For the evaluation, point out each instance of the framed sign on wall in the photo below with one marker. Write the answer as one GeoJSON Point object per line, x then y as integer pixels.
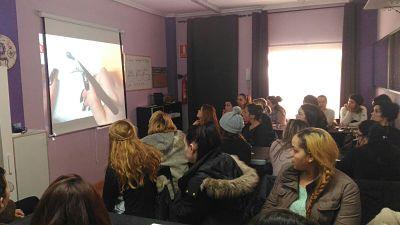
{"type": "Point", "coordinates": [138, 73]}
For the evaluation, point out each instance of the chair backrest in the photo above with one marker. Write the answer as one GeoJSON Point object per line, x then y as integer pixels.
{"type": "Point", "coordinates": [376, 195]}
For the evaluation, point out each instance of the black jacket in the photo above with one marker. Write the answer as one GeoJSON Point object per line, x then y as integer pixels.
{"type": "Point", "coordinates": [138, 202]}
{"type": "Point", "coordinates": [215, 191]}
{"type": "Point", "coordinates": [237, 146]}
{"type": "Point", "coordinates": [372, 162]}
{"type": "Point", "coordinates": [261, 136]}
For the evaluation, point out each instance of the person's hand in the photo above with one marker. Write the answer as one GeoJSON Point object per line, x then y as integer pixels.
{"type": "Point", "coordinates": [54, 84]}
{"type": "Point", "coordinates": [19, 213]}
{"type": "Point", "coordinates": [196, 123]}
{"type": "Point", "coordinates": [346, 106]}
{"type": "Point", "coordinates": [112, 85]}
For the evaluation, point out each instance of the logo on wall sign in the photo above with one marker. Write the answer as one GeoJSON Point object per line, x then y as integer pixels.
{"type": "Point", "coordinates": [8, 52]}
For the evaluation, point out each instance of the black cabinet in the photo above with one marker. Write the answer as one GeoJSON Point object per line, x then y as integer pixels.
{"type": "Point", "coordinates": [143, 115]}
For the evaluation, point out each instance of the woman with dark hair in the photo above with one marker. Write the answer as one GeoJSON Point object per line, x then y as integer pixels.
{"type": "Point", "coordinates": [264, 104]}
{"type": "Point", "coordinates": [312, 187]}
{"type": "Point", "coordinates": [207, 118]}
{"type": "Point", "coordinates": [378, 159]}
{"type": "Point", "coordinates": [233, 141]}
{"type": "Point", "coordinates": [70, 200]}
{"type": "Point", "coordinates": [385, 113]}
{"type": "Point", "coordinates": [280, 217]}
{"type": "Point", "coordinates": [381, 99]}
{"type": "Point", "coordinates": [310, 99]}
{"type": "Point", "coordinates": [258, 132]}
{"type": "Point", "coordinates": [228, 107]}
{"type": "Point", "coordinates": [129, 184]}
{"type": "Point", "coordinates": [278, 113]}
{"type": "Point", "coordinates": [217, 186]}
{"type": "Point", "coordinates": [281, 151]}
{"type": "Point", "coordinates": [242, 100]}
{"type": "Point", "coordinates": [353, 112]}
{"type": "Point", "coordinates": [312, 115]}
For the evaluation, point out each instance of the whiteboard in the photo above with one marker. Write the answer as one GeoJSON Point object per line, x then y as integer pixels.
{"type": "Point", "coordinates": [138, 72]}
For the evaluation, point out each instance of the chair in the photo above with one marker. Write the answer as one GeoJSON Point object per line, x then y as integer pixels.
{"type": "Point", "coordinates": [260, 160]}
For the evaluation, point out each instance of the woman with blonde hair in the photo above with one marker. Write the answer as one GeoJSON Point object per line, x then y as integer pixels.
{"type": "Point", "coordinates": [129, 185]}
{"type": "Point", "coordinates": [312, 187]}
{"type": "Point", "coordinates": [164, 136]}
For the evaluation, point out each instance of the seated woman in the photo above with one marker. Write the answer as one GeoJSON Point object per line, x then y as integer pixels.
{"type": "Point", "coordinates": [278, 113]}
{"type": "Point", "coordinates": [312, 115]}
{"type": "Point", "coordinates": [312, 187]}
{"type": "Point", "coordinates": [329, 113]}
{"type": "Point", "coordinates": [264, 104]}
{"type": "Point", "coordinates": [228, 107]}
{"type": "Point", "coordinates": [10, 210]}
{"type": "Point", "coordinates": [216, 187]}
{"type": "Point", "coordinates": [242, 100]}
{"type": "Point", "coordinates": [233, 142]}
{"type": "Point", "coordinates": [70, 200]}
{"type": "Point", "coordinates": [353, 113]}
{"type": "Point", "coordinates": [383, 98]}
{"type": "Point", "coordinates": [310, 99]}
{"type": "Point", "coordinates": [385, 113]}
{"type": "Point", "coordinates": [378, 159]}
{"type": "Point", "coordinates": [258, 132]}
{"type": "Point", "coordinates": [164, 136]}
{"type": "Point", "coordinates": [281, 151]}
{"type": "Point", "coordinates": [207, 117]}
{"type": "Point", "coordinates": [129, 185]}
{"type": "Point", "coordinates": [280, 217]}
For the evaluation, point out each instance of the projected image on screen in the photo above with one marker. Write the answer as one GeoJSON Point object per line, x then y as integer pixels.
{"type": "Point", "coordinates": [85, 79]}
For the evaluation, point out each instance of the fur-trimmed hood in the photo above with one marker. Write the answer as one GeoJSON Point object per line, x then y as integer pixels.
{"type": "Point", "coordinates": [223, 188]}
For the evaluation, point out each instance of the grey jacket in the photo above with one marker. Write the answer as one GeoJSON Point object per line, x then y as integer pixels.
{"type": "Point", "coordinates": [338, 204]}
{"type": "Point", "coordinates": [172, 146]}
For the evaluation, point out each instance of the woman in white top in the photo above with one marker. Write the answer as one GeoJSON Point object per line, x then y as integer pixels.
{"type": "Point", "coordinates": [329, 113]}
{"type": "Point", "coordinates": [353, 113]}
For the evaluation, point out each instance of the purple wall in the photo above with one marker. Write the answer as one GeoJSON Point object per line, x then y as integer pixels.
{"type": "Point", "coordinates": [8, 27]}
{"type": "Point", "coordinates": [83, 152]}
{"type": "Point", "coordinates": [366, 34]}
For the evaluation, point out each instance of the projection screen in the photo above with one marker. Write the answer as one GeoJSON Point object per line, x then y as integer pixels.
{"type": "Point", "coordinates": [85, 75]}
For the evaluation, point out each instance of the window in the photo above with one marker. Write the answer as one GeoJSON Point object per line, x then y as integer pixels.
{"type": "Point", "coordinates": [298, 70]}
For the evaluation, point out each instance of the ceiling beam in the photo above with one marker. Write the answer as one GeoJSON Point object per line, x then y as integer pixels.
{"type": "Point", "coordinates": [208, 5]}
{"type": "Point", "coordinates": [141, 7]}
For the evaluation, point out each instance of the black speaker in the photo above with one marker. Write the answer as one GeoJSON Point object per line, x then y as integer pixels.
{"type": "Point", "coordinates": [158, 98]}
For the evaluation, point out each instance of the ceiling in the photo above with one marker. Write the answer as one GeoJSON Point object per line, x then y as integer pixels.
{"type": "Point", "coordinates": [187, 8]}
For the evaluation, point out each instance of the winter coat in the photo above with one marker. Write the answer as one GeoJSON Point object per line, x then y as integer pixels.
{"type": "Point", "coordinates": [215, 191]}
{"type": "Point", "coordinates": [172, 146]}
{"type": "Point", "coordinates": [372, 162]}
{"type": "Point", "coordinates": [339, 203]}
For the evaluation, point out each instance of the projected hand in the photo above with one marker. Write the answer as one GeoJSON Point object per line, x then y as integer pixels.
{"type": "Point", "coordinates": [112, 84]}
{"type": "Point", "coordinates": [54, 84]}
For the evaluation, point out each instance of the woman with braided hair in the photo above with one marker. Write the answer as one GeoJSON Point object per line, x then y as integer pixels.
{"type": "Point", "coordinates": [129, 184]}
{"type": "Point", "coordinates": [312, 187]}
